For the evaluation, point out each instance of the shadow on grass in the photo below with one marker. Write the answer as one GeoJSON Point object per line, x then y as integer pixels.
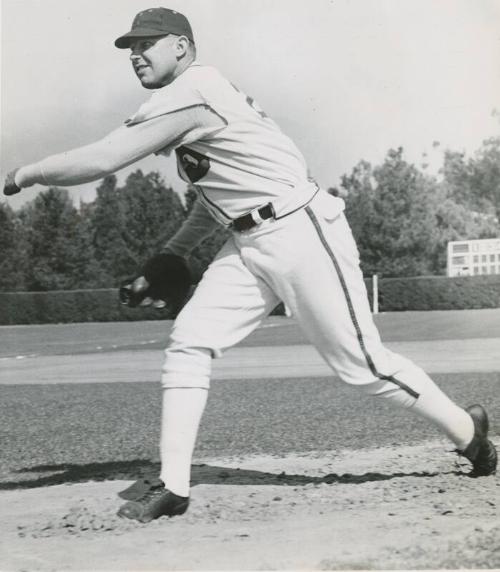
{"type": "Point", "coordinates": [201, 474]}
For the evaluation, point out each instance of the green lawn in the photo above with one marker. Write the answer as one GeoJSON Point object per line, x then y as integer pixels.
{"type": "Point", "coordinates": [87, 337]}
{"type": "Point", "coordinates": [68, 433]}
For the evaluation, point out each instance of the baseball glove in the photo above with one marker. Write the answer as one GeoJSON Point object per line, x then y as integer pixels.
{"type": "Point", "coordinates": [165, 281]}
{"type": "Point", "coordinates": [10, 187]}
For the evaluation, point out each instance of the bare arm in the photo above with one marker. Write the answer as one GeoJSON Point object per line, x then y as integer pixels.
{"type": "Point", "coordinates": [120, 148]}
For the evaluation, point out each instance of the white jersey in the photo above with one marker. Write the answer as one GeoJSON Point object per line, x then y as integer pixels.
{"type": "Point", "coordinates": [245, 163]}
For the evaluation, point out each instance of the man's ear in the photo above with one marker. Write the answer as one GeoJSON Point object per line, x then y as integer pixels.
{"type": "Point", "coordinates": [182, 46]}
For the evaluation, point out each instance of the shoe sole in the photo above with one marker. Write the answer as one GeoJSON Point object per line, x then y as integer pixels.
{"type": "Point", "coordinates": [176, 510]}
{"type": "Point", "coordinates": [481, 428]}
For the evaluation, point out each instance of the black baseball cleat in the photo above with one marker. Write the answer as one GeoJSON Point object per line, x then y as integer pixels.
{"type": "Point", "coordinates": [139, 487]}
{"type": "Point", "coordinates": [480, 452]}
{"type": "Point", "coordinates": [154, 501]}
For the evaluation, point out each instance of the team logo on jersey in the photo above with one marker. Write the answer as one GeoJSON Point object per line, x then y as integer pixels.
{"type": "Point", "coordinates": [194, 164]}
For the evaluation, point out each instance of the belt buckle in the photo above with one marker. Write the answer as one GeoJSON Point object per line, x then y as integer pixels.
{"type": "Point", "coordinates": [258, 218]}
{"type": "Point", "coordinates": [255, 217]}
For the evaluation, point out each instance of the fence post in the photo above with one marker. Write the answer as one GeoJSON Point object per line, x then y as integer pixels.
{"type": "Point", "coordinates": [375, 293]}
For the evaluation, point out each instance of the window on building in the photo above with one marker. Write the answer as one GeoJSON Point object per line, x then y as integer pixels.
{"type": "Point", "coordinates": [460, 248]}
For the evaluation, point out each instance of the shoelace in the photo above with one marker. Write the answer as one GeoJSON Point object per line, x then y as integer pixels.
{"type": "Point", "coordinates": [151, 493]}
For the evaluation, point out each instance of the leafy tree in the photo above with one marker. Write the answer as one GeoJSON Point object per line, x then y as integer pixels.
{"type": "Point", "coordinates": [89, 272]}
{"type": "Point", "coordinates": [485, 174]}
{"type": "Point", "coordinates": [475, 182]}
{"type": "Point", "coordinates": [406, 223]}
{"type": "Point", "coordinates": [456, 177]}
{"type": "Point", "coordinates": [152, 214]}
{"type": "Point", "coordinates": [359, 187]}
{"type": "Point", "coordinates": [12, 250]}
{"type": "Point", "coordinates": [59, 248]}
{"type": "Point", "coordinates": [108, 227]}
{"type": "Point", "coordinates": [389, 209]}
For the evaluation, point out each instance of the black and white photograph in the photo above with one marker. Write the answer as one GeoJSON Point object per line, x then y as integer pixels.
{"type": "Point", "coordinates": [249, 285]}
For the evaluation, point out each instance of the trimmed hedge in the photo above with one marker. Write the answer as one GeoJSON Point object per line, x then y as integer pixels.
{"type": "Point", "coordinates": [438, 293]}
{"type": "Point", "coordinates": [395, 294]}
{"type": "Point", "coordinates": [69, 306]}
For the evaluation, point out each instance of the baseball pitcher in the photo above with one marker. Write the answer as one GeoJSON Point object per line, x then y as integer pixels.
{"type": "Point", "coordinates": [290, 241]}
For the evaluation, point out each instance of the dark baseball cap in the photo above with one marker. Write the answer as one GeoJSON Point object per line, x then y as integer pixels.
{"type": "Point", "coordinates": [156, 22]}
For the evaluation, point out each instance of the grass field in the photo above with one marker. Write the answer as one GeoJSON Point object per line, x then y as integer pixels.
{"type": "Point", "coordinates": [89, 337]}
{"type": "Point", "coordinates": [69, 433]}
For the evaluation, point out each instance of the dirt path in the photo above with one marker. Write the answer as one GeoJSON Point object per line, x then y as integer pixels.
{"type": "Point", "coordinates": [441, 356]}
{"type": "Point", "coordinates": [386, 508]}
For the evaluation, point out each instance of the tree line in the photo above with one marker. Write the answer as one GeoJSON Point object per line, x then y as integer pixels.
{"type": "Point", "coordinates": [401, 216]}
{"type": "Point", "coordinates": [49, 244]}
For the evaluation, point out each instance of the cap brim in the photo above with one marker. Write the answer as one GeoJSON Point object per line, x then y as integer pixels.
{"type": "Point", "coordinates": [124, 41]}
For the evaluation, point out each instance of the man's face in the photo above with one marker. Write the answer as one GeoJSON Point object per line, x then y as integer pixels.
{"type": "Point", "coordinates": [155, 60]}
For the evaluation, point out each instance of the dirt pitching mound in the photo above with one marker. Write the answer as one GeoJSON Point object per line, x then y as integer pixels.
{"type": "Point", "coordinates": [392, 507]}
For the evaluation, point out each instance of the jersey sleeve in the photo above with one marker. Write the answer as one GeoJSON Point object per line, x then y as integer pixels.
{"type": "Point", "coordinates": [199, 225]}
{"type": "Point", "coordinates": [120, 148]}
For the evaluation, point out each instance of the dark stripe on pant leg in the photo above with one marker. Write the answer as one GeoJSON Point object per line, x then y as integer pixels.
{"type": "Point", "coordinates": [352, 313]}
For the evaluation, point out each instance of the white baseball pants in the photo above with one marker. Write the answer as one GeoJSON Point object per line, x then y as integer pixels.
{"type": "Point", "coordinates": [310, 261]}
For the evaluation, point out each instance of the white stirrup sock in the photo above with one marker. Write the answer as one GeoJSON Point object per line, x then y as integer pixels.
{"type": "Point", "coordinates": [454, 421]}
{"type": "Point", "coordinates": [181, 415]}
{"type": "Point", "coordinates": [432, 403]}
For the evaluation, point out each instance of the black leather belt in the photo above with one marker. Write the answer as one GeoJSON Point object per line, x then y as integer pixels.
{"type": "Point", "coordinates": [248, 221]}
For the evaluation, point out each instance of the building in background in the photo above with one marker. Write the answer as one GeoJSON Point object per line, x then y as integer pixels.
{"type": "Point", "coordinates": [473, 257]}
